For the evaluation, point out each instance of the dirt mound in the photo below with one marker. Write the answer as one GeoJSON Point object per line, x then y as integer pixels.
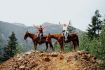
{"type": "Point", "coordinates": [51, 61]}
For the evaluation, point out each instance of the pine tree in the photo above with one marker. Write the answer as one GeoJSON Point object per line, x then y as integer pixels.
{"type": "Point", "coordinates": [94, 29]}
{"type": "Point", "coordinates": [103, 22]}
{"type": "Point", "coordinates": [0, 41]}
{"type": "Point", "coordinates": [10, 50]}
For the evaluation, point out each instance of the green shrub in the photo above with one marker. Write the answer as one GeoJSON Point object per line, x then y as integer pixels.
{"type": "Point", "coordinates": [96, 46]}
{"type": "Point", "coordinates": [20, 48]}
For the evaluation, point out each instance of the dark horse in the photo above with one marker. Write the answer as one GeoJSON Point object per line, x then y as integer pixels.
{"type": "Point", "coordinates": [72, 37]}
{"type": "Point", "coordinates": [46, 39]}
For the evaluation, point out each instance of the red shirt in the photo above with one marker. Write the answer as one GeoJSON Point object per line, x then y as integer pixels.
{"type": "Point", "coordinates": [40, 29]}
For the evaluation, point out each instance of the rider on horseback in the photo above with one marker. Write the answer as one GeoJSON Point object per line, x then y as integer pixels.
{"type": "Point", "coordinates": [65, 30]}
{"type": "Point", "coordinates": [40, 31]}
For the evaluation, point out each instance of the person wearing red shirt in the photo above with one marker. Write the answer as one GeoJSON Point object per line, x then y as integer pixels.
{"type": "Point", "coordinates": [40, 31]}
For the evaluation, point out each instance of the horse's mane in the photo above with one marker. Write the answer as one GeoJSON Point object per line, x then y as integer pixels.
{"type": "Point", "coordinates": [32, 34]}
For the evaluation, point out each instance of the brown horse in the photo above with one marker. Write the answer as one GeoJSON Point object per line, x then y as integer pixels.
{"type": "Point", "coordinates": [74, 38]}
{"type": "Point", "coordinates": [71, 37]}
{"type": "Point", "coordinates": [36, 40]}
{"type": "Point", "coordinates": [59, 38]}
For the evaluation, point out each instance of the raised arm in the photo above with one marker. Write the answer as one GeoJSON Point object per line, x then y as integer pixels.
{"type": "Point", "coordinates": [60, 23]}
{"type": "Point", "coordinates": [36, 26]}
{"type": "Point", "coordinates": [43, 27]}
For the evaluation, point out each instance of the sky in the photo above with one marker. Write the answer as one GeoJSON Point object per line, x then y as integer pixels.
{"type": "Point", "coordinates": [30, 12]}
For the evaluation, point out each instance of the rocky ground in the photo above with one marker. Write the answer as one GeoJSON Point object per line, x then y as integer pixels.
{"type": "Point", "coordinates": [51, 61]}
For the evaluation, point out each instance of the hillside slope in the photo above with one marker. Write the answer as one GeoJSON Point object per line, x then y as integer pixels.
{"type": "Point", "coordinates": [51, 61]}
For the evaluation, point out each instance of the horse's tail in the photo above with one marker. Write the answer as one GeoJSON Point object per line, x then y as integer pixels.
{"type": "Point", "coordinates": [77, 41]}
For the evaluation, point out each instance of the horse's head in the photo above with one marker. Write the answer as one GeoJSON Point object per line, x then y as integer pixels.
{"type": "Point", "coordinates": [31, 35]}
{"type": "Point", "coordinates": [26, 35]}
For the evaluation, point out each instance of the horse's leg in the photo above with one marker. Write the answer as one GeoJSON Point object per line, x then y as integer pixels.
{"type": "Point", "coordinates": [35, 45]}
{"type": "Point", "coordinates": [77, 44]}
{"type": "Point", "coordinates": [77, 40]}
{"type": "Point", "coordinates": [61, 45]}
{"type": "Point", "coordinates": [74, 45]}
{"type": "Point", "coordinates": [46, 46]}
{"type": "Point", "coordinates": [51, 46]}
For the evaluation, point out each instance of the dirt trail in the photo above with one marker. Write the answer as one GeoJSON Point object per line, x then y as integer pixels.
{"type": "Point", "coordinates": [51, 61]}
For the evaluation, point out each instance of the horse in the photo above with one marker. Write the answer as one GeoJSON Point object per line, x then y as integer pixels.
{"type": "Point", "coordinates": [36, 40]}
{"type": "Point", "coordinates": [59, 38]}
{"type": "Point", "coordinates": [72, 37]}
